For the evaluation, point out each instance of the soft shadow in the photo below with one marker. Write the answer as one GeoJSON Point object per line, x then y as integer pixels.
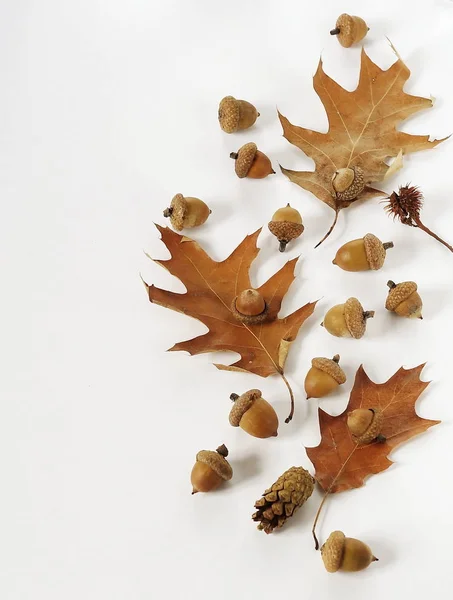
{"type": "Point", "coordinates": [246, 468]}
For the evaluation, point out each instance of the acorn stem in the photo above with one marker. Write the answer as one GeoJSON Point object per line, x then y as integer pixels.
{"type": "Point", "coordinates": [335, 31]}
{"type": "Point", "coordinates": [388, 245]}
{"type": "Point", "coordinates": [431, 233]}
{"type": "Point", "coordinates": [283, 244]}
{"type": "Point", "coordinates": [291, 396]}
{"type": "Point", "coordinates": [368, 314]}
{"type": "Point", "coordinates": [168, 212]}
{"type": "Point", "coordinates": [234, 155]}
{"type": "Point", "coordinates": [234, 397]}
{"type": "Point", "coordinates": [391, 284]}
{"type": "Point", "coordinates": [336, 358]}
{"type": "Point", "coordinates": [330, 230]}
{"type": "Point", "coordinates": [381, 438]}
{"type": "Point", "coordinates": [222, 450]}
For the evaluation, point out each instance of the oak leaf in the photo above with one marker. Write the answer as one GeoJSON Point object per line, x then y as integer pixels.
{"type": "Point", "coordinates": [342, 464]}
{"type": "Point", "coordinates": [362, 131]}
{"type": "Point", "coordinates": [211, 290]}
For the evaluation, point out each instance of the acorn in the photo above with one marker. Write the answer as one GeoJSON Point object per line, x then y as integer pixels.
{"type": "Point", "coordinates": [187, 212]}
{"type": "Point", "coordinates": [251, 162]}
{"type": "Point", "coordinates": [349, 30]}
{"type": "Point", "coordinates": [286, 225]}
{"type": "Point", "coordinates": [404, 300]}
{"type": "Point", "coordinates": [365, 425]}
{"type": "Point", "coordinates": [347, 320]}
{"type": "Point", "coordinates": [210, 470]}
{"type": "Point", "coordinates": [250, 307]}
{"type": "Point", "coordinates": [324, 376]}
{"type": "Point", "coordinates": [365, 254]}
{"type": "Point", "coordinates": [254, 414]}
{"type": "Point", "coordinates": [348, 183]}
{"type": "Point", "coordinates": [236, 115]}
{"type": "Point", "coordinates": [341, 553]}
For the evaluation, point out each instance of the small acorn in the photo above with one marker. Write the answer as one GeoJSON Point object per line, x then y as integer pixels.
{"type": "Point", "coordinates": [254, 414]}
{"type": "Point", "coordinates": [365, 254]}
{"type": "Point", "coordinates": [187, 212]}
{"type": "Point", "coordinates": [348, 183]}
{"type": "Point", "coordinates": [210, 470]}
{"type": "Point", "coordinates": [365, 425]}
{"type": "Point", "coordinates": [250, 307]}
{"type": "Point", "coordinates": [236, 115]}
{"type": "Point", "coordinates": [349, 30]}
{"type": "Point", "coordinates": [251, 162]}
{"type": "Point", "coordinates": [286, 225]}
{"type": "Point", "coordinates": [347, 320]}
{"type": "Point", "coordinates": [341, 553]}
{"type": "Point", "coordinates": [404, 300]}
{"type": "Point", "coordinates": [324, 376]}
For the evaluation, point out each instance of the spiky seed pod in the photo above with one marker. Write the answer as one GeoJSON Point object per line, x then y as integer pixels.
{"type": "Point", "coordinates": [365, 425]}
{"type": "Point", "coordinates": [236, 115]}
{"type": "Point", "coordinates": [187, 212]}
{"type": "Point", "coordinates": [281, 501]}
{"type": "Point", "coordinates": [251, 162]}
{"type": "Point", "coordinates": [348, 183]}
{"type": "Point", "coordinates": [250, 307]}
{"type": "Point", "coordinates": [341, 553]}
{"type": "Point", "coordinates": [286, 225]}
{"type": "Point", "coordinates": [347, 320]}
{"type": "Point", "coordinates": [349, 30]}
{"type": "Point", "coordinates": [364, 254]}
{"type": "Point", "coordinates": [254, 414]}
{"type": "Point", "coordinates": [324, 376]}
{"type": "Point", "coordinates": [404, 300]}
{"type": "Point", "coordinates": [210, 470]}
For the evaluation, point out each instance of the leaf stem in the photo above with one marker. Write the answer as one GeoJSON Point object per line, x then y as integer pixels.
{"type": "Point", "coordinates": [291, 395]}
{"type": "Point", "coordinates": [423, 227]}
{"type": "Point", "coordinates": [330, 230]}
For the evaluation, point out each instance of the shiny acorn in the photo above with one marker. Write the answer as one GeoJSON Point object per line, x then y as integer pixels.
{"type": "Point", "coordinates": [251, 162]}
{"type": "Point", "coordinates": [347, 320]}
{"type": "Point", "coordinates": [341, 553]}
{"type": "Point", "coordinates": [210, 470]}
{"type": "Point", "coordinates": [365, 254]}
{"type": "Point", "coordinates": [365, 425]}
{"type": "Point", "coordinates": [324, 376]}
{"type": "Point", "coordinates": [252, 413]}
{"type": "Point", "coordinates": [286, 225]}
{"type": "Point", "coordinates": [186, 212]}
{"type": "Point", "coordinates": [404, 300]}
{"type": "Point", "coordinates": [236, 115]}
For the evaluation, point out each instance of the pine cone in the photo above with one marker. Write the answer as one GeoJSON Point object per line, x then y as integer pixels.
{"type": "Point", "coordinates": [282, 500]}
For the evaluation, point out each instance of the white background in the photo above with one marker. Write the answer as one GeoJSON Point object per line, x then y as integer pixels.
{"type": "Point", "coordinates": [107, 109]}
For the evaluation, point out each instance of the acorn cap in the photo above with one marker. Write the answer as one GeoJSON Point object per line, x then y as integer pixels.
{"type": "Point", "coordinates": [354, 316]}
{"type": "Point", "coordinates": [400, 292]}
{"type": "Point", "coordinates": [217, 461]}
{"type": "Point", "coordinates": [285, 230]}
{"type": "Point", "coordinates": [373, 430]}
{"type": "Point", "coordinates": [374, 250]}
{"type": "Point", "coordinates": [331, 367]}
{"type": "Point", "coordinates": [229, 114]}
{"type": "Point", "coordinates": [355, 188]}
{"type": "Point", "coordinates": [244, 159]}
{"type": "Point", "coordinates": [241, 406]}
{"type": "Point", "coordinates": [332, 551]}
{"type": "Point", "coordinates": [178, 208]}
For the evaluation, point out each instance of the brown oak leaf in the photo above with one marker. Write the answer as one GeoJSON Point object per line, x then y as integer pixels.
{"type": "Point", "coordinates": [211, 290]}
{"type": "Point", "coordinates": [340, 463]}
{"type": "Point", "coordinates": [362, 131]}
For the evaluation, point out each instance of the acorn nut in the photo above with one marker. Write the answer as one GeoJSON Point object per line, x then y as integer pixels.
{"type": "Point", "coordinates": [254, 414]}
{"type": "Point", "coordinates": [251, 162]}
{"type": "Point", "coordinates": [210, 470]}
{"type": "Point", "coordinates": [348, 183]}
{"type": "Point", "coordinates": [365, 254]}
{"type": "Point", "coordinates": [236, 115]}
{"type": "Point", "coordinates": [365, 425]}
{"type": "Point", "coordinates": [347, 320]}
{"type": "Point", "coordinates": [349, 30]}
{"type": "Point", "coordinates": [250, 307]}
{"type": "Point", "coordinates": [404, 300]}
{"type": "Point", "coordinates": [186, 212]}
{"type": "Point", "coordinates": [341, 553]}
{"type": "Point", "coordinates": [286, 225]}
{"type": "Point", "coordinates": [324, 376]}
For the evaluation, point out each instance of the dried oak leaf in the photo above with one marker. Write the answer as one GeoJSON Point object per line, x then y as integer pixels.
{"type": "Point", "coordinates": [211, 290]}
{"type": "Point", "coordinates": [362, 131]}
{"type": "Point", "coordinates": [339, 462]}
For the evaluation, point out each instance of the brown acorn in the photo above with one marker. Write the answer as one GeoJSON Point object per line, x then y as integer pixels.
{"type": "Point", "coordinates": [365, 254]}
{"type": "Point", "coordinates": [286, 225]}
{"type": "Point", "coordinates": [404, 300]}
{"type": "Point", "coordinates": [349, 30]}
{"type": "Point", "coordinates": [186, 212]}
{"type": "Point", "coordinates": [324, 376]}
{"type": "Point", "coordinates": [347, 320]}
{"type": "Point", "coordinates": [365, 425]}
{"type": "Point", "coordinates": [348, 183]}
{"type": "Point", "coordinates": [236, 115]}
{"type": "Point", "coordinates": [250, 307]}
{"type": "Point", "coordinates": [210, 470]}
{"type": "Point", "coordinates": [254, 414]}
{"type": "Point", "coordinates": [251, 162]}
{"type": "Point", "coordinates": [341, 553]}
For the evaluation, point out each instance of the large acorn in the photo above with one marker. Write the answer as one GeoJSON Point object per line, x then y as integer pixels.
{"type": "Point", "coordinates": [210, 470]}
{"type": "Point", "coordinates": [365, 425]}
{"type": "Point", "coordinates": [186, 212]}
{"type": "Point", "coordinates": [236, 115]}
{"type": "Point", "coordinates": [365, 254]}
{"type": "Point", "coordinates": [250, 307]}
{"type": "Point", "coordinates": [349, 30]}
{"type": "Point", "coordinates": [347, 320]}
{"type": "Point", "coordinates": [251, 162]}
{"type": "Point", "coordinates": [404, 300]}
{"type": "Point", "coordinates": [341, 553]}
{"type": "Point", "coordinates": [252, 413]}
{"type": "Point", "coordinates": [348, 183]}
{"type": "Point", "coordinates": [324, 376]}
{"type": "Point", "coordinates": [286, 225]}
